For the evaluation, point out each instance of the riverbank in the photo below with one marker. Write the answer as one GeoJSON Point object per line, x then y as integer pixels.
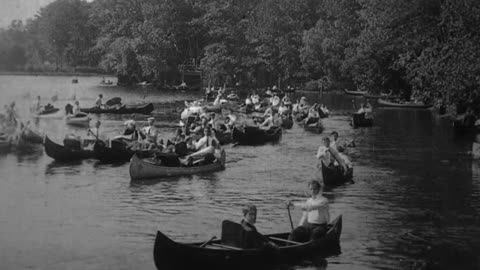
{"type": "Point", "coordinates": [66, 74]}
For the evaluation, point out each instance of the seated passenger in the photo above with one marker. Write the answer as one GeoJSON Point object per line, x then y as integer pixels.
{"type": "Point", "coordinates": [315, 217]}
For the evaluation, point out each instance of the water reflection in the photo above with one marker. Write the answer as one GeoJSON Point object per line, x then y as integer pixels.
{"type": "Point", "coordinates": [63, 168]}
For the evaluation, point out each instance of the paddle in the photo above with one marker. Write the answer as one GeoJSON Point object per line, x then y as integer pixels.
{"type": "Point", "coordinates": [290, 216]}
{"type": "Point", "coordinates": [208, 241]}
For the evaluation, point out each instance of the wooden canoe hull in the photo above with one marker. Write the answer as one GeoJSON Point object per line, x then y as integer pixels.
{"type": "Point", "coordinates": [355, 93]}
{"type": "Point", "coordinates": [359, 120]}
{"type": "Point", "coordinates": [62, 153]}
{"type": "Point", "coordinates": [117, 153]}
{"type": "Point", "coordinates": [140, 169]}
{"type": "Point", "coordinates": [315, 128]}
{"type": "Point", "coordinates": [255, 136]}
{"type": "Point", "coordinates": [335, 176]}
{"type": "Point", "coordinates": [169, 254]}
{"type": "Point", "coordinates": [386, 103]}
{"type": "Point", "coordinates": [128, 109]}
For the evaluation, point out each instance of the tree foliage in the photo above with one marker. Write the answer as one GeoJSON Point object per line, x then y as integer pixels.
{"type": "Point", "coordinates": [429, 47]}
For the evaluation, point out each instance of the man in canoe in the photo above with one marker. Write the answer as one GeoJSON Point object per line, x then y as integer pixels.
{"type": "Point", "coordinates": [99, 102]}
{"type": "Point", "coordinates": [150, 133]}
{"type": "Point", "coordinates": [254, 238]}
{"type": "Point", "coordinates": [204, 147]}
{"type": "Point", "coordinates": [315, 218]}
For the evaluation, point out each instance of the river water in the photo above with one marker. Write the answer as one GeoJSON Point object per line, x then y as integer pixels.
{"type": "Point", "coordinates": [415, 188]}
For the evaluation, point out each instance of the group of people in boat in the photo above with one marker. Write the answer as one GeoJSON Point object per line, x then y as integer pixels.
{"type": "Point", "coordinates": [313, 224]}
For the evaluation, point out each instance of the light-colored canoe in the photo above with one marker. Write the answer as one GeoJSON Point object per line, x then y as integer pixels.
{"type": "Point", "coordinates": [411, 105]}
{"type": "Point", "coordinates": [140, 169]}
{"type": "Point", "coordinates": [355, 93]}
{"type": "Point", "coordinates": [80, 119]}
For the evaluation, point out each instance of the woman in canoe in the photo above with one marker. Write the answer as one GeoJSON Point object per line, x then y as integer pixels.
{"type": "Point", "coordinates": [316, 216]}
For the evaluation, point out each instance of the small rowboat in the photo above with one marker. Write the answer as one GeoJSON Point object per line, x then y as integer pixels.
{"type": "Point", "coordinates": [419, 105]}
{"type": "Point", "coordinates": [355, 93]}
{"type": "Point", "coordinates": [217, 254]}
{"type": "Point", "coordinates": [256, 136]}
{"type": "Point", "coordinates": [140, 169]}
{"type": "Point", "coordinates": [64, 153]}
{"type": "Point", "coordinates": [125, 109]}
{"type": "Point", "coordinates": [334, 176]}
{"type": "Point", "coordinates": [80, 119]}
{"type": "Point", "coordinates": [359, 120]}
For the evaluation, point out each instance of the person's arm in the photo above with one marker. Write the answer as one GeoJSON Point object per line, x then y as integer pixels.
{"type": "Point", "coordinates": [200, 143]}
{"type": "Point", "coordinates": [321, 152]}
{"type": "Point", "coordinates": [310, 205]}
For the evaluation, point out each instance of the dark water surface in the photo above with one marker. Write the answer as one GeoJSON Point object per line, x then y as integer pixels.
{"type": "Point", "coordinates": [414, 182]}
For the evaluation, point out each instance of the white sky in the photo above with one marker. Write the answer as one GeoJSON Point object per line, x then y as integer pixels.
{"type": "Point", "coordinates": [20, 9]}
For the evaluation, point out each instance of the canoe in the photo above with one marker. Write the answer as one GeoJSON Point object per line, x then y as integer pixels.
{"type": "Point", "coordinates": [224, 137]}
{"type": "Point", "coordinates": [355, 93]}
{"type": "Point", "coordinates": [64, 153]}
{"type": "Point", "coordinates": [125, 109]}
{"type": "Point", "coordinates": [46, 112]}
{"type": "Point", "coordinates": [80, 119]}
{"type": "Point", "coordinates": [359, 120]}
{"type": "Point", "coordinates": [464, 129]}
{"type": "Point", "coordinates": [217, 254]}
{"type": "Point", "coordinates": [256, 136]}
{"type": "Point", "coordinates": [334, 176]}
{"type": "Point", "coordinates": [410, 105]}
{"type": "Point", "coordinates": [117, 153]}
{"type": "Point", "coordinates": [140, 169]}
{"type": "Point", "coordinates": [287, 122]}
{"type": "Point", "coordinates": [315, 127]}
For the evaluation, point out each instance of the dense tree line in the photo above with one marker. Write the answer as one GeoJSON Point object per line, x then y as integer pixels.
{"type": "Point", "coordinates": [431, 47]}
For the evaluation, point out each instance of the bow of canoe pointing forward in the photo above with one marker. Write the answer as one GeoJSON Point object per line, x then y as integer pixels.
{"type": "Point", "coordinates": [169, 254]}
{"type": "Point", "coordinates": [334, 175]}
{"type": "Point", "coordinates": [140, 169]}
{"type": "Point", "coordinates": [65, 153]}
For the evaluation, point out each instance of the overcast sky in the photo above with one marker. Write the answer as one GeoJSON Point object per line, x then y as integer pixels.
{"type": "Point", "coordinates": [20, 9]}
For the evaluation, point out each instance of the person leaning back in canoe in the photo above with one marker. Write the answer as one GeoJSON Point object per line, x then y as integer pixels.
{"type": "Point", "coordinates": [248, 223]}
{"type": "Point", "coordinates": [315, 218]}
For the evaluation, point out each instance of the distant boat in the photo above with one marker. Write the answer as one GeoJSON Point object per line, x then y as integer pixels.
{"type": "Point", "coordinates": [411, 105]}
{"type": "Point", "coordinates": [144, 83]}
{"type": "Point", "coordinates": [106, 83]}
{"type": "Point", "coordinates": [74, 80]}
{"type": "Point", "coordinates": [355, 93]}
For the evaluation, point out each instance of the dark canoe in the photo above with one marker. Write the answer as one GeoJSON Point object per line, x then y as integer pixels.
{"type": "Point", "coordinates": [46, 112]}
{"type": "Point", "coordinates": [224, 137]}
{"type": "Point", "coordinates": [256, 136]}
{"type": "Point", "coordinates": [140, 169]}
{"type": "Point", "coordinates": [169, 254]}
{"type": "Point", "coordinates": [359, 120]}
{"type": "Point", "coordinates": [63, 153]}
{"type": "Point", "coordinates": [117, 153]}
{"type": "Point", "coordinates": [334, 176]}
{"type": "Point", "coordinates": [125, 109]}
{"type": "Point", "coordinates": [386, 103]}
{"type": "Point", "coordinates": [315, 128]}
{"type": "Point", "coordinates": [355, 93]}
{"type": "Point", "coordinates": [465, 129]}
{"type": "Point", "coordinates": [287, 122]}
